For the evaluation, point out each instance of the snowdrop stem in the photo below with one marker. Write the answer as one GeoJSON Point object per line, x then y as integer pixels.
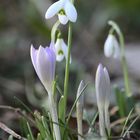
{"type": "Point", "coordinates": [124, 65]}
{"type": "Point", "coordinates": [54, 117]}
{"type": "Point", "coordinates": [67, 68]}
{"type": "Point", "coordinates": [123, 58]}
{"type": "Point", "coordinates": [53, 32]}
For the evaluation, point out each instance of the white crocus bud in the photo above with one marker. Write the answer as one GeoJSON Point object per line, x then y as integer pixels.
{"type": "Point", "coordinates": [65, 10]}
{"type": "Point", "coordinates": [79, 109]}
{"type": "Point", "coordinates": [103, 91]}
{"type": "Point", "coordinates": [111, 47]}
{"type": "Point", "coordinates": [61, 50]}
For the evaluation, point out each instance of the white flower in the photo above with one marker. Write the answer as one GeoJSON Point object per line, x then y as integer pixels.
{"type": "Point", "coordinates": [103, 91]}
{"type": "Point", "coordinates": [61, 50]}
{"type": "Point", "coordinates": [65, 10]}
{"type": "Point", "coordinates": [111, 47]}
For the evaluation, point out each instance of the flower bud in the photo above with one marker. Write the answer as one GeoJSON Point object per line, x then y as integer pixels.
{"type": "Point", "coordinates": [111, 47]}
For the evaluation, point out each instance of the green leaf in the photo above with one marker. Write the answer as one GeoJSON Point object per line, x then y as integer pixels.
{"type": "Point", "coordinates": [30, 132]}
{"type": "Point", "coordinates": [10, 137]}
{"type": "Point", "coordinates": [121, 101]}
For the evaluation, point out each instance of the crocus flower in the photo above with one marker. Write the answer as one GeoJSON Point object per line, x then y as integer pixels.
{"type": "Point", "coordinates": [65, 10]}
{"type": "Point", "coordinates": [61, 50]}
{"type": "Point", "coordinates": [111, 47]}
{"type": "Point", "coordinates": [103, 91]}
{"type": "Point", "coordinates": [44, 60]}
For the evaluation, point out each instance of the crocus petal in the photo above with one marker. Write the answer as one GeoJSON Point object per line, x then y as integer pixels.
{"type": "Point", "coordinates": [53, 9]}
{"type": "Point", "coordinates": [70, 11]}
{"type": "Point", "coordinates": [100, 84]}
{"type": "Point", "coordinates": [33, 54]}
{"type": "Point", "coordinates": [63, 19]}
{"type": "Point", "coordinates": [108, 90]}
{"type": "Point", "coordinates": [52, 58]}
{"type": "Point", "coordinates": [45, 67]}
{"type": "Point", "coordinates": [108, 47]}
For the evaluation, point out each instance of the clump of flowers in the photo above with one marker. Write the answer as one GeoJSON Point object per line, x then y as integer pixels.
{"type": "Point", "coordinates": [54, 125]}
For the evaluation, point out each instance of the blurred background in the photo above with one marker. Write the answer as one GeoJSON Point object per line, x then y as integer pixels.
{"type": "Point", "coordinates": [22, 23]}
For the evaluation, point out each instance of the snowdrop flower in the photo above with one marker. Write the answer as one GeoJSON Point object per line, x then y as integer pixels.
{"type": "Point", "coordinates": [103, 91]}
{"type": "Point", "coordinates": [44, 60]}
{"type": "Point", "coordinates": [61, 50]}
{"type": "Point", "coordinates": [111, 47]}
{"type": "Point", "coordinates": [65, 10]}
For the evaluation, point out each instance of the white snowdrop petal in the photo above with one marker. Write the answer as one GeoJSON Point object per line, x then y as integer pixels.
{"type": "Point", "coordinates": [63, 19]}
{"type": "Point", "coordinates": [108, 46]}
{"type": "Point", "coordinates": [70, 11]}
{"type": "Point", "coordinates": [53, 9]}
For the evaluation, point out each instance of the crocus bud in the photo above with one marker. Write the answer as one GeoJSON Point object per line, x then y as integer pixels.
{"type": "Point", "coordinates": [103, 91]}
{"type": "Point", "coordinates": [111, 47]}
{"type": "Point", "coordinates": [65, 10]}
{"type": "Point", "coordinates": [61, 50]}
{"type": "Point", "coordinates": [79, 109]}
{"type": "Point", "coordinates": [44, 60]}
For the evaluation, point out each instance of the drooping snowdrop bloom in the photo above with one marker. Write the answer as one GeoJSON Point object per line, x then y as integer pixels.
{"type": "Point", "coordinates": [103, 91]}
{"type": "Point", "coordinates": [61, 50]}
{"type": "Point", "coordinates": [65, 10]}
{"type": "Point", "coordinates": [111, 47]}
{"type": "Point", "coordinates": [44, 60]}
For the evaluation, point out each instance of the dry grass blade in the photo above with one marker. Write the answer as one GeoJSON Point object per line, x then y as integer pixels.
{"type": "Point", "coordinates": [10, 131]}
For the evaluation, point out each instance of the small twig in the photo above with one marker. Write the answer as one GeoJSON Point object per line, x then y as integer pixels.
{"type": "Point", "coordinates": [119, 121]}
{"type": "Point", "coordinates": [17, 110]}
{"type": "Point", "coordinates": [11, 132]}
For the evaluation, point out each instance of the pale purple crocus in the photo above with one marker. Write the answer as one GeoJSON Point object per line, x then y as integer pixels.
{"type": "Point", "coordinates": [65, 10]}
{"type": "Point", "coordinates": [44, 61]}
{"type": "Point", "coordinates": [103, 91]}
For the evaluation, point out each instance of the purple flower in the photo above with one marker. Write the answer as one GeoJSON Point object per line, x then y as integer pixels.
{"type": "Point", "coordinates": [44, 61]}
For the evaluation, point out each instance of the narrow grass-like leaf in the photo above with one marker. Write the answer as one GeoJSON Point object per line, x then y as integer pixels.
{"type": "Point", "coordinates": [30, 132]}
{"type": "Point", "coordinates": [126, 122]}
{"type": "Point", "coordinates": [60, 104]}
{"type": "Point", "coordinates": [72, 108]}
{"type": "Point", "coordinates": [29, 137]}
{"type": "Point", "coordinates": [131, 125]}
{"type": "Point", "coordinates": [93, 121]}
{"type": "Point", "coordinates": [39, 136]}
{"type": "Point", "coordinates": [74, 104]}
{"type": "Point", "coordinates": [25, 106]}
